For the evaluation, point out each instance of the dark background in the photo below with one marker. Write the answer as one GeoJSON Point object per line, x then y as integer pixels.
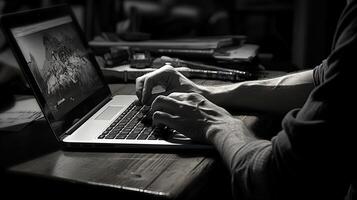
{"type": "Point", "coordinates": [292, 34]}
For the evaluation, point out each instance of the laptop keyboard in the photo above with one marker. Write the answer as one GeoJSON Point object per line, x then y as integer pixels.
{"type": "Point", "coordinates": [133, 124]}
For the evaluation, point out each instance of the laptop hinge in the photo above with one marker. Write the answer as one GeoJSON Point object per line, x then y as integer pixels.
{"type": "Point", "coordinates": [85, 118]}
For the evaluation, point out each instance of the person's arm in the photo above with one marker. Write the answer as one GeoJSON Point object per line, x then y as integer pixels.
{"type": "Point", "coordinates": [245, 156]}
{"type": "Point", "coordinates": [276, 95]}
{"type": "Point", "coordinates": [247, 159]}
{"type": "Point", "coordinates": [314, 156]}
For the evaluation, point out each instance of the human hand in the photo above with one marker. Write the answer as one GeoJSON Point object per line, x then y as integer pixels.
{"type": "Point", "coordinates": [167, 77]}
{"type": "Point", "coordinates": [192, 115]}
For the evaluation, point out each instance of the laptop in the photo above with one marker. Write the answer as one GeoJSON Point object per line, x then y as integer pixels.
{"type": "Point", "coordinates": [70, 89]}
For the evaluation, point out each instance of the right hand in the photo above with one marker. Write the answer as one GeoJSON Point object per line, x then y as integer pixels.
{"type": "Point", "coordinates": [196, 118]}
{"type": "Point", "coordinates": [166, 77]}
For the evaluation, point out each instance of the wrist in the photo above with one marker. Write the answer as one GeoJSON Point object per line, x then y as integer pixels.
{"type": "Point", "coordinates": [214, 94]}
{"type": "Point", "coordinates": [211, 134]}
{"type": "Point", "coordinates": [216, 130]}
{"type": "Point", "coordinates": [232, 127]}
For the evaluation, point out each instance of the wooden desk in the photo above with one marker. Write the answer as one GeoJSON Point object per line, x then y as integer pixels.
{"type": "Point", "coordinates": [32, 160]}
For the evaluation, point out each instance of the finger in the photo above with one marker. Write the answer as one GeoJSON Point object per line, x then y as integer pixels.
{"type": "Point", "coordinates": [151, 80]}
{"type": "Point", "coordinates": [167, 104]}
{"type": "Point", "coordinates": [146, 83]}
{"type": "Point", "coordinates": [154, 96]}
{"type": "Point", "coordinates": [192, 100]}
{"type": "Point", "coordinates": [180, 96]}
{"type": "Point", "coordinates": [147, 89]}
{"type": "Point", "coordinates": [184, 96]}
{"type": "Point", "coordinates": [177, 123]}
{"type": "Point", "coordinates": [163, 118]}
{"type": "Point", "coordinates": [139, 84]}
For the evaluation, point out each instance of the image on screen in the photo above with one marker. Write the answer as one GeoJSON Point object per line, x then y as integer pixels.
{"type": "Point", "coordinates": [59, 63]}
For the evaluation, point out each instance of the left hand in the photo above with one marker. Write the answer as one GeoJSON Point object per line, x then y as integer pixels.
{"type": "Point", "coordinates": [167, 77]}
{"type": "Point", "coordinates": [192, 115]}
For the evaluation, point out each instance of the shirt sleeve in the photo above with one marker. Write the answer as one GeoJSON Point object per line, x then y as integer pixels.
{"type": "Point", "coordinates": [314, 154]}
{"type": "Point", "coordinates": [319, 73]}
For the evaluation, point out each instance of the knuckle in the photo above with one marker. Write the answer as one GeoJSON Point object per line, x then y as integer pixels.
{"type": "Point", "coordinates": [159, 99]}
{"type": "Point", "coordinates": [168, 67]}
{"type": "Point", "coordinates": [175, 94]}
{"type": "Point", "coordinates": [155, 115]}
{"type": "Point", "coordinates": [192, 96]}
{"type": "Point", "coordinates": [139, 79]}
{"type": "Point", "coordinates": [149, 79]}
{"type": "Point", "coordinates": [196, 95]}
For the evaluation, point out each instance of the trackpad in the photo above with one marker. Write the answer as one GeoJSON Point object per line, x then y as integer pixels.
{"type": "Point", "coordinates": [109, 113]}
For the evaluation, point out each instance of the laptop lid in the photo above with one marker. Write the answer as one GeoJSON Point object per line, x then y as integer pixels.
{"type": "Point", "coordinates": [58, 65]}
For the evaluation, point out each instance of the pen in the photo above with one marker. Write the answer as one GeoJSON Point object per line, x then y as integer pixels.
{"type": "Point", "coordinates": [213, 74]}
{"type": "Point", "coordinates": [128, 74]}
{"type": "Point", "coordinates": [213, 70]}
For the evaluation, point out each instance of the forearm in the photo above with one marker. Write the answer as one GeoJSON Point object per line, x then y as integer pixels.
{"type": "Point", "coordinates": [276, 95]}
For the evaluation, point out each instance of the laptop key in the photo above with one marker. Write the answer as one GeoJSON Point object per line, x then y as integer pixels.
{"type": "Point", "coordinates": [121, 136]}
{"type": "Point", "coordinates": [117, 128]}
{"type": "Point", "coordinates": [145, 109]}
{"type": "Point", "coordinates": [152, 137]}
{"type": "Point", "coordinates": [132, 136]}
{"type": "Point", "coordinates": [110, 136]}
{"type": "Point", "coordinates": [142, 137]}
{"type": "Point", "coordinates": [101, 136]}
{"type": "Point", "coordinates": [129, 125]}
{"type": "Point", "coordinates": [109, 129]}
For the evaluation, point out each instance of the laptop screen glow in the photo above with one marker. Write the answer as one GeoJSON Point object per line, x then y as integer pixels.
{"type": "Point", "coordinates": [59, 63]}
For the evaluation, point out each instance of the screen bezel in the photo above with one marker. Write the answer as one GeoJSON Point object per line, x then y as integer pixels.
{"type": "Point", "coordinates": [15, 20]}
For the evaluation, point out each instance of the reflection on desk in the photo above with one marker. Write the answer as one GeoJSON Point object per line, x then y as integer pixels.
{"type": "Point", "coordinates": [153, 174]}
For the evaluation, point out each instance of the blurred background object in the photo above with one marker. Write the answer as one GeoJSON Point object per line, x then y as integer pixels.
{"type": "Point", "coordinates": [292, 34]}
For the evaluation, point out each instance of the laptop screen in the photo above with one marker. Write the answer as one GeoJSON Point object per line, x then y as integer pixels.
{"type": "Point", "coordinates": [59, 63]}
{"type": "Point", "coordinates": [59, 66]}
